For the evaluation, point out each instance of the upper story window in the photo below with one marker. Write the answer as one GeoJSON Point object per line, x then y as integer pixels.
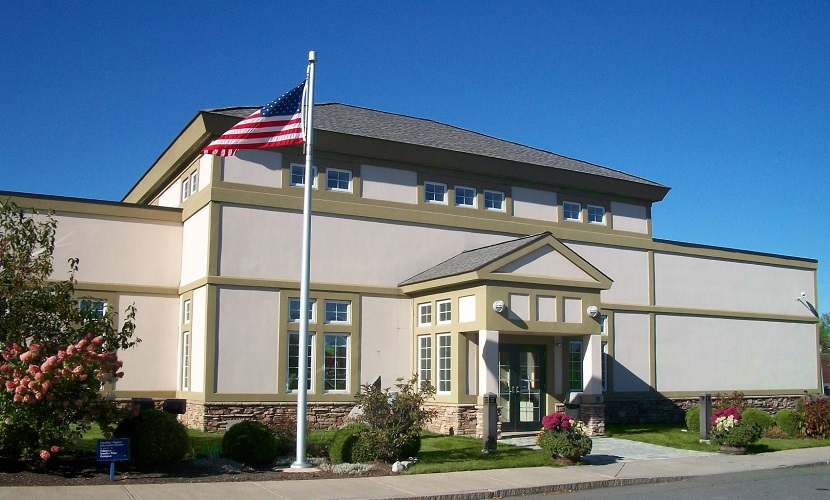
{"type": "Point", "coordinates": [572, 211]}
{"type": "Point", "coordinates": [194, 182]}
{"type": "Point", "coordinates": [494, 200]}
{"type": "Point", "coordinates": [337, 311]}
{"type": "Point", "coordinates": [294, 310]}
{"type": "Point", "coordinates": [338, 180]}
{"type": "Point", "coordinates": [465, 196]}
{"type": "Point", "coordinates": [186, 308]}
{"type": "Point", "coordinates": [575, 365]}
{"type": "Point", "coordinates": [596, 214]}
{"type": "Point", "coordinates": [298, 175]}
{"type": "Point", "coordinates": [603, 325]}
{"type": "Point", "coordinates": [185, 188]}
{"type": "Point", "coordinates": [444, 311]}
{"type": "Point", "coordinates": [97, 307]}
{"type": "Point", "coordinates": [425, 314]}
{"type": "Point", "coordinates": [435, 192]}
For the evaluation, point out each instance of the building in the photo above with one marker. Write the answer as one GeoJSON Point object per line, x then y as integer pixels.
{"type": "Point", "coordinates": [481, 265]}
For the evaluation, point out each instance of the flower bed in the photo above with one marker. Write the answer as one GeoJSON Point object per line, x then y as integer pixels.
{"type": "Point", "coordinates": [562, 436]}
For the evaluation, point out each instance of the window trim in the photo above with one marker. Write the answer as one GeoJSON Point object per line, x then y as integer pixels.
{"type": "Point", "coordinates": [565, 211]}
{"type": "Point", "coordinates": [440, 382]}
{"type": "Point", "coordinates": [503, 200]}
{"type": "Point", "coordinates": [104, 310]}
{"type": "Point", "coordinates": [348, 362]}
{"type": "Point", "coordinates": [448, 312]}
{"type": "Point", "coordinates": [421, 314]}
{"type": "Point", "coordinates": [194, 182]}
{"type": "Point", "coordinates": [302, 168]}
{"type": "Point", "coordinates": [339, 189]}
{"type": "Point", "coordinates": [187, 339]}
{"type": "Point", "coordinates": [187, 309]}
{"type": "Point", "coordinates": [311, 354]}
{"type": "Point", "coordinates": [474, 202]}
{"type": "Point", "coordinates": [604, 354]}
{"type": "Point", "coordinates": [444, 193]}
{"type": "Point", "coordinates": [602, 222]}
{"type": "Point", "coordinates": [348, 305]}
{"type": "Point", "coordinates": [312, 312]}
{"type": "Point", "coordinates": [185, 191]}
{"type": "Point", "coordinates": [421, 359]}
{"type": "Point", "coordinates": [603, 325]}
{"type": "Point", "coordinates": [571, 362]}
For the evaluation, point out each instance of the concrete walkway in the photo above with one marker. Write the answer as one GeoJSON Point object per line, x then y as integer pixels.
{"type": "Point", "coordinates": [618, 467]}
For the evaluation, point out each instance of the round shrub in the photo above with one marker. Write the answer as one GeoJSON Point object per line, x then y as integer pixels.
{"type": "Point", "coordinates": [342, 444]}
{"type": "Point", "coordinates": [250, 443]}
{"type": "Point", "coordinates": [157, 439]}
{"type": "Point", "coordinates": [787, 420]}
{"type": "Point", "coordinates": [693, 419]}
{"type": "Point", "coordinates": [756, 416]}
{"type": "Point", "coordinates": [362, 450]}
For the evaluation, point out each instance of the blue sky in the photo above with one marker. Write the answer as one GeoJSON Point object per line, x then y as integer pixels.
{"type": "Point", "coordinates": [727, 103]}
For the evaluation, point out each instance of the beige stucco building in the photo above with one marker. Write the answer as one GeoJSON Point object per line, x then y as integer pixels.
{"type": "Point", "coordinates": [478, 264]}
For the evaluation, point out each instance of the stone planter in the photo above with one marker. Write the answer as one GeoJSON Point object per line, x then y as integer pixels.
{"type": "Point", "coordinates": [733, 449]}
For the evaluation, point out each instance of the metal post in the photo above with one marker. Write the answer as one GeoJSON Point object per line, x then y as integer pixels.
{"type": "Point", "coordinates": [489, 424]}
{"type": "Point", "coordinates": [705, 404]}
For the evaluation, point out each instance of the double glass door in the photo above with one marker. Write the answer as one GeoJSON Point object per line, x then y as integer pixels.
{"type": "Point", "coordinates": [521, 387]}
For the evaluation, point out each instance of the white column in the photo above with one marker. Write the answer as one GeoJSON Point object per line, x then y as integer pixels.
{"type": "Point", "coordinates": [488, 362]}
{"type": "Point", "coordinates": [592, 366]}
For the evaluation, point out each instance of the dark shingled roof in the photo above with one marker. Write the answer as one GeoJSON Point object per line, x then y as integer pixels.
{"type": "Point", "coordinates": [472, 260]}
{"type": "Point", "coordinates": [353, 120]}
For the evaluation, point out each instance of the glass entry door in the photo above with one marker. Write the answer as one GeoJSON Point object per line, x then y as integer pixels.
{"type": "Point", "coordinates": [521, 387]}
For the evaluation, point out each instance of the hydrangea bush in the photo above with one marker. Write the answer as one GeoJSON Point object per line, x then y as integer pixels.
{"type": "Point", "coordinates": [563, 436]}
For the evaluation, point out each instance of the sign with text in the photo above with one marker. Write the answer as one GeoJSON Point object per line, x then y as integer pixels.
{"type": "Point", "coordinates": [112, 450]}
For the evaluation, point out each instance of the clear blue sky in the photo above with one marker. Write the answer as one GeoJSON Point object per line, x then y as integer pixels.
{"type": "Point", "coordinates": [727, 103]}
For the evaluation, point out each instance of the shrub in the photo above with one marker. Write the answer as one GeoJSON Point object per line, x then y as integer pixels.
{"type": "Point", "coordinates": [563, 436]}
{"type": "Point", "coordinates": [814, 416]}
{"type": "Point", "coordinates": [756, 416]}
{"type": "Point", "coordinates": [343, 443]}
{"type": "Point", "coordinates": [157, 439]}
{"type": "Point", "coordinates": [250, 443]}
{"type": "Point", "coordinates": [787, 421]}
{"type": "Point", "coordinates": [693, 419]}
{"type": "Point", "coordinates": [729, 428]}
{"type": "Point", "coordinates": [723, 401]}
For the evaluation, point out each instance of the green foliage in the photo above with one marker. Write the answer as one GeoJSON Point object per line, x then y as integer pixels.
{"type": "Point", "coordinates": [741, 434]}
{"type": "Point", "coordinates": [54, 356]}
{"type": "Point", "coordinates": [394, 419]}
{"type": "Point", "coordinates": [824, 328]}
{"type": "Point", "coordinates": [251, 443]}
{"type": "Point", "coordinates": [756, 416]}
{"type": "Point", "coordinates": [693, 419]}
{"type": "Point", "coordinates": [564, 443]}
{"type": "Point", "coordinates": [814, 416]}
{"type": "Point", "coordinates": [734, 400]}
{"type": "Point", "coordinates": [157, 439]}
{"type": "Point", "coordinates": [787, 421]}
{"type": "Point", "coordinates": [343, 443]}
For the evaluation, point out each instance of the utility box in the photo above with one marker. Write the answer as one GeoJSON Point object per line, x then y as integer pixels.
{"type": "Point", "coordinates": [489, 424]}
{"type": "Point", "coordinates": [705, 403]}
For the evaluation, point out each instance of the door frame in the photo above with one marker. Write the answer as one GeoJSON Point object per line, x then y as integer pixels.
{"type": "Point", "coordinates": [514, 352]}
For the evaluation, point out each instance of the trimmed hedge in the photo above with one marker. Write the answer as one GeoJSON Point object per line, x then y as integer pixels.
{"type": "Point", "coordinates": [756, 416]}
{"type": "Point", "coordinates": [157, 439]}
{"type": "Point", "coordinates": [250, 443]}
{"type": "Point", "coordinates": [787, 420]}
{"type": "Point", "coordinates": [693, 419]}
{"type": "Point", "coordinates": [342, 447]}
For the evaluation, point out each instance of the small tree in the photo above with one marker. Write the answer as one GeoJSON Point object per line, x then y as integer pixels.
{"type": "Point", "coordinates": [54, 356]}
{"type": "Point", "coordinates": [824, 337]}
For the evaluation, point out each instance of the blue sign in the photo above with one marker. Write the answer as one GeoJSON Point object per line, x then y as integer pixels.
{"type": "Point", "coordinates": [112, 450]}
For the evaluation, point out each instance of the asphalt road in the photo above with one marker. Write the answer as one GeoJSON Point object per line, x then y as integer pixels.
{"type": "Point", "coordinates": [785, 483]}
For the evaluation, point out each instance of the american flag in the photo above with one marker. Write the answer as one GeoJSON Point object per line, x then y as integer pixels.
{"type": "Point", "coordinates": [279, 123]}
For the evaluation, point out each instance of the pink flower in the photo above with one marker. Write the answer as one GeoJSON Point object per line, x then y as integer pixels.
{"type": "Point", "coordinates": [44, 455]}
{"type": "Point", "coordinates": [55, 449]}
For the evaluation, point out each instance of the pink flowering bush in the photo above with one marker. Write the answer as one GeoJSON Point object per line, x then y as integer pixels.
{"type": "Point", "coordinates": [54, 357]}
{"type": "Point", "coordinates": [729, 429]}
{"type": "Point", "coordinates": [563, 436]}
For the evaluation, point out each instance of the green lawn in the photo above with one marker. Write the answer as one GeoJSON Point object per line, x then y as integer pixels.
{"type": "Point", "coordinates": [200, 442]}
{"type": "Point", "coordinates": [675, 436]}
{"type": "Point", "coordinates": [456, 453]}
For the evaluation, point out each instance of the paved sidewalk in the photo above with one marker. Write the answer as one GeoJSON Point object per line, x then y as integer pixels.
{"type": "Point", "coordinates": [473, 484]}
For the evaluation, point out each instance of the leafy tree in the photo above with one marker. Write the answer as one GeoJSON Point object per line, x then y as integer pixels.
{"type": "Point", "coordinates": [824, 338]}
{"type": "Point", "coordinates": [54, 356]}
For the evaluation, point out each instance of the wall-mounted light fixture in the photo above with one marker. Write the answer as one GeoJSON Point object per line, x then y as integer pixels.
{"type": "Point", "coordinates": [592, 311]}
{"type": "Point", "coordinates": [498, 306]}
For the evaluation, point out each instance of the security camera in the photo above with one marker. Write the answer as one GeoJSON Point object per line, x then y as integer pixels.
{"type": "Point", "coordinates": [803, 294]}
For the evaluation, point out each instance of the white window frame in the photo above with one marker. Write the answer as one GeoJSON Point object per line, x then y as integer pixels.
{"type": "Point", "coordinates": [444, 371]}
{"type": "Point", "coordinates": [425, 314]}
{"type": "Point", "coordinates": [348, 362]}
{"type": "Point", "coordinates": [312, 312]}
{"type": "Point", "coordinates": [347, 189]}
{"type": "Point", "coordinates": [337, 311]}
{"type": "Point", "coordinates": [565, 211]}
{"type": "Point", "coordinates": [301, 168]}
{"type": "Point", "coordinates": [443, 200]}
{"type": "Point", "coordinates": [185, 188]}
{"type": "Point", "coordinates": [186, 341]}
{"type": "Point", "coordinates": [603, 325]}
{"type": "Point", "coordinates": [467, 190]}
{"type": "Point", "coordinates": [596, 208]}
{"type": "Point", "coordinates": [187, 309]}
{"type": "Point", "coordinates": [572, 362]}
{"type": "Point", "coordinates": [502, 202]}
{"type": "Point", "coordinates": [310, 371]}
{"type": "Point", "coordinates": [604, 366]}
{"type": "Point", "coordinates": [424, 360]}
{"type": "Point", "coordinates": [443, 316]}
{"type": "Point", "coordinates": [194, 182]}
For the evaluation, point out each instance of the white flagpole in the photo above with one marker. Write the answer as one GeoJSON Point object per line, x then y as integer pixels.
{"type": "Point", "coordinates": [302, 382]}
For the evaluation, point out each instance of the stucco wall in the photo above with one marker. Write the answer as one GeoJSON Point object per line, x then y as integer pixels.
{"type": "Point", "coordinates": [195, 246]}
{"type": "Point", "coordinates": [254, 167]}
{"type": "Point", "coordinates": [152, 364]}
{"type": "Point", "coordinates": [534, 204]}
{"type": "Point", "coordinates": [632, 355]}
{"type": "Point", "coordinates": [627, 217]}
{"type": "Point", "coordinates": [198, 331]}
{"type": "Point", "coordinates": [382, 183]}
{"type": "Point", "coordinates": [385, 341]}
{"type": "Point", "coordinates": [628, 268]}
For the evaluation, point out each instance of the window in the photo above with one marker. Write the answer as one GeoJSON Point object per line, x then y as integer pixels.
{"type": "Point", "coordinates": [294, 309]}
{"type": "Point", "coordinates": [424, 360]}
{"type": "Point", "coordinates": [435, 192]}
{"type": "Point", "coordinates": [603, 325]}
{"type": "Point", "coordinates": [97, 308]}
{"type": "Point", "coordinates": [605, 366]}
{"type": "Point", "coordinates": [186, 361]}
{"type": "Point", "coordinates": [338, 180]}
{"type": "Point", "coordinates": [572, 211]}
{"type": "Point", "coordinates": [186, 312]}
{"type": "Point", "coordinates": [444, 311]}
{"type": "Point", "coordinates": [337, 311]}
{"type": "Point", "coordinates": [425, 314]}
{"type": "Point", "coordinates": [336, 362]}
{"type": "Point", "coordinates": [298, 175]}
{"type": "Point", "coordinates": [185, 188]}
{"type": "Point", "coordinates": [494, 200]}
{"type": "Point", "coordinates": [575, 365]}
{"type": "Point", "coordinates": [293, 375]}
{"type": "Point", "coordinates": [444, 363]}
{"type": "Point", "coordinates": [465, 197]}
{"type": "Point", "coordinates": [596, 215]}
{"type": "Point", "coordinates": [194, 182]}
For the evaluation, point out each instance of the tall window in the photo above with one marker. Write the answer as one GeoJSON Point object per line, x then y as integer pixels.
{"type": "Point", "coordinates": [185, 188]}
{"type": "Point", "coordinates": [293, 375]}
{"type": "Point", "coordinates": [298, 176]}
{"type": "Point", "coordinates": [96, 307]}
{"type": "Point", "coordinates": [194, 182]}
{"type": "Point", "coordinates": [425, 314]}
{"type": "Point", "coordinates": [186, 361]}
{"type": "Point", "coordinates": [186, 312]}
{"type": "Point", "coordinates": [444, 363]}
{"type": "Point", "coordinates": [575, 365]}
{"type": "Point", "coordinates": [465, 196]}
{"type": "Point", "coordinates": [337, 311]}
{"type": "Point", "coordinates": [603, 325]}
{"type": "Point", "coordinates": [435, 192]}
{"type": "Point", "coordinates": [494, 200]}
{"type": "Point", "coordinates": [596, 215]}
{"type": "Point", "coordinates": [294, 309]}
{"type": "Point", "coordinates": [605, 366]}
{"type": "Point", "coordinates": [444, 311]}
{"type": "Point", "coordinates": [336, 362]}
{"type": "Point", "coordinates": [424, 360]}
{"type": "Point", "coordinates": [338, 180]}
{"type": "Point", "coordinates": [572, 211]}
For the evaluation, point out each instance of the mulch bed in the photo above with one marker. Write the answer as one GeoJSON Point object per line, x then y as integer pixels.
{"type": "Point", "coordinates": [75, 469]}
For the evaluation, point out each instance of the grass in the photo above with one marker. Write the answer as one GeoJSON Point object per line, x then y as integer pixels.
{"type": "Point", "coordinates": [441, 453]}
{"type": "Point", "coordinates": [200, 441]}
{"type": "Point", "coordinates": [675, 436]}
